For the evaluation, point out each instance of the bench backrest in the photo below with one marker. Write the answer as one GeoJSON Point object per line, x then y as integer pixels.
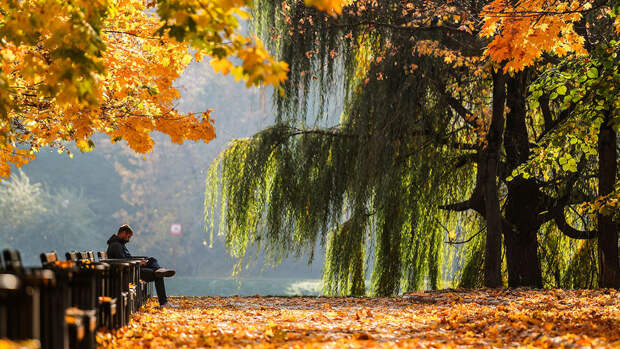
{"type": "Point", "coordinates": [12, 260]}
{"type": "Point", "coordinates": [87, 255]}
{"type": "Point", "coordinates": [72, 256]}
{"type": "Point", "coordinates": [49, 258]}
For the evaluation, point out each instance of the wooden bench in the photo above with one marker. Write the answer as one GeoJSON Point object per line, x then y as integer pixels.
{"type": "Point", "coordinates": [38, 309]}
{"type": "Point", "coordinates": [62, 303]}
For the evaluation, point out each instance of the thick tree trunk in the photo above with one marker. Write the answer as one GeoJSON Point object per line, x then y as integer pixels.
{"type": "Point", "coordinates": [524, 197]}
{"type": "Point", "coordinates": [609, 268]}
{"type": "Point", "coordinates": [520, 234]}
{"type": "Point", "coordinates": [489, 170]}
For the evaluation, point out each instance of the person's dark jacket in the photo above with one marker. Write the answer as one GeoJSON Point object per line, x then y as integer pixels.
{"type": "Point", "coordinates": [117, 249]}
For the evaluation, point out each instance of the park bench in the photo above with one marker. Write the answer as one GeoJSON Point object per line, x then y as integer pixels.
{"type": "Point", "coordinates": [35, 308]}
{"type": "Point", "coordinates": [119, 281]}
{"type": "Point", "coordinates": [143, 289]}
{"type": "Point", "coordinates": [89, 289]}
{"type": "Point", "coordinates": [62, 303]}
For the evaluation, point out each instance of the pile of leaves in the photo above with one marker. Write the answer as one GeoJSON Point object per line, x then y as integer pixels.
{"type": "Point", "coordinates": [481, 318]}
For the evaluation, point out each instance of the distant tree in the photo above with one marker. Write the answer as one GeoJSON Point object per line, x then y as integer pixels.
{"type": "Point", "coordinates": [36, 219]}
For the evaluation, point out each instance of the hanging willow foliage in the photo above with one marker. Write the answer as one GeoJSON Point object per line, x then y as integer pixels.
{"type": "Point", "coordinates": [368, 188]}
{"type": "Point", "coordinates": [364, 151]}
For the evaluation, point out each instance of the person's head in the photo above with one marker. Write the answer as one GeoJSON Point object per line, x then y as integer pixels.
{"type": "Point", "coordinates": [125, 232]}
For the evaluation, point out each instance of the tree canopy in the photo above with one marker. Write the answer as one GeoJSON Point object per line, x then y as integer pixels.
{"type": "Point", "coordinates": [71, 69]}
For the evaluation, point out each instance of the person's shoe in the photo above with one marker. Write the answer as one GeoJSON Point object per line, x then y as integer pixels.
{"type": "Point", "coordinates": [169, 305]}
{"type": "Point", "coordinates": [164, 273]}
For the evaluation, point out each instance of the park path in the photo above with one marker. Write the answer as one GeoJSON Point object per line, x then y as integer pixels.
{"type": "Point", "coordinates": [480, 318]}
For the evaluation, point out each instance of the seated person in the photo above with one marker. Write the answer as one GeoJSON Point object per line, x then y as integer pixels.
{"type": "Point", "coordinates": [150, 269]}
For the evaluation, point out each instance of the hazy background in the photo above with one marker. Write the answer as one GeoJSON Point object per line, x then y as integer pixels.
{"type": "Point", "coordinates": [58, 203]}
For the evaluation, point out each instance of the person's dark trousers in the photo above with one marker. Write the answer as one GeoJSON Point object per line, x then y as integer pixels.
{"type": "Point", "coordinates": [152, 263]}
{"type": "Point", "coordinates": [148, 274]}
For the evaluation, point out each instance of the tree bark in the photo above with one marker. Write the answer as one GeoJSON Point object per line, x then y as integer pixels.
{"type": "Point", "coordinates": [524, 198]}
{"type": "Point", "coordinates": [488, 170]}
{"type": "Point", "coordinates": [609, 268]}
{"type": "Point", "coordinates": [521, 234]}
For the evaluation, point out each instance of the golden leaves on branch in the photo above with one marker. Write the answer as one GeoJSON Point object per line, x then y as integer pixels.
{"type": "Point", "coordinates": [257, 66]}
{"type": "Point", "coordinates": [446, 319]}
{"type": "Point", "coordinates": [11, 154]}
{"type": "Point", "coordinates": [71, 69]}
{"type": "Point", "coordinates": [212, 28]}
{"type": "Point", "coordinates": [521, 33]}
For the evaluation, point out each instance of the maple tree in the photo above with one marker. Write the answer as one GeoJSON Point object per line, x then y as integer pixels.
{"type": "Point", "coordinates": [437, 108]}
{"type": "Point", "coordinates": [482, 318]}
{"type": "Point", "coordinates": [70, 69]}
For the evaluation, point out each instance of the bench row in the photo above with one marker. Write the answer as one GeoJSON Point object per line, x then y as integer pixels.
{"type": "Point", "coordinates": [62, 303]}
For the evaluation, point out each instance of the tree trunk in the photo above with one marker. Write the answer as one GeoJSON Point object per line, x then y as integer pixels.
{"type": "Point", "coordinates": [489, 171]}
{"type": "Point", "coordinates": [521, 234]}
{"type": "Point", "coordinates": [524, 197]}
{"type": "Point", "coordinates": [609, 268]}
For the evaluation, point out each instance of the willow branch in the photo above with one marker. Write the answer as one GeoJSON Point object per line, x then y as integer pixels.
{"type": "Point", "coordinates": [328, 132]}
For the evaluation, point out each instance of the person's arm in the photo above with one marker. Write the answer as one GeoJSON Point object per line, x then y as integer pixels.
{"type": "Point", "coordinates": [126, 253]}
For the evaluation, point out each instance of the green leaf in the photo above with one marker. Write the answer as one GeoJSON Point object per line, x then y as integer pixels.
{"type": "Point", "coordinates": [593, 73]}
{"type": "Point", "coordinates": [567, 99]}
{"type": "Point", "coordinates": [561, 90]}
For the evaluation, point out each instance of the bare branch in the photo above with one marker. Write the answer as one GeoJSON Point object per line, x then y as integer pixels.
{"type": "Point", "coordinates": [465, 159]}
{"type": "Point", "coordinates": [453, 242]}
{"type": "Point", "coordinates": [560, 220]}
{"type": "Point", "coordinates": [131, 34]}
{"type": "Point", "coordinates": [543, 100]}
{"type": "Point", "coordinates": [458, 207]}
{"type": "Point", "coordinates": [406, 28]}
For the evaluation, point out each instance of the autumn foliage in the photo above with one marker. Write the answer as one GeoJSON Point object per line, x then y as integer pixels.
{"type": "Point", "coordinates": [456, 318]}
{"type": "Point", "coordinates": [423, 135]}
{"type": "Point", "coordinates": [333, 7]}
{"type": "Point", "coordinates": [523, 32]}
{"type": "Point", "coordinates": [71, 69]}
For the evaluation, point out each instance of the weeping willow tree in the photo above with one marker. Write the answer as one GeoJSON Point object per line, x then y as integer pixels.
{"type": "Point", "coordinates": [384, 120]}
{"type": "Point", "coordinates": [365, 185]}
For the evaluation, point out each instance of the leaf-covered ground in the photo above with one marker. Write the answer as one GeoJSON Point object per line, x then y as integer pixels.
{"type": "Point", "coordinates": [482, 318]}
